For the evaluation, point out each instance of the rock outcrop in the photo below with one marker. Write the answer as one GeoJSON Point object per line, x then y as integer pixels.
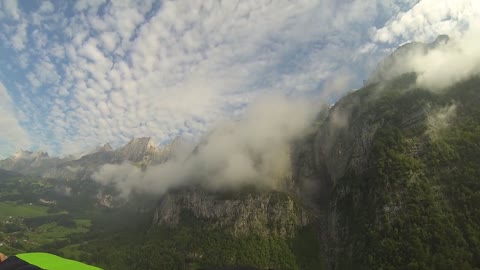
{"type": "Point", "coordinates": [262, 213]}
{"type": "Point", "coordinates": [138, 149]}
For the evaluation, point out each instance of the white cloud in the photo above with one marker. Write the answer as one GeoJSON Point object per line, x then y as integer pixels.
{"type": "Point", "coordinates": [111, 72]}
{"type": "Point", "coordinates": [446, 65]}
{"type": "Point", "coordinates": [440, 119]}
{"type": "Point", "coordinates": [109, 41]}
{"type": "Point", "coordinates": [182, 70]}
{"type": "Point", "coordinates": [46, 7]}
{"type": "Point", "coordinates": [428, 19]}
{"type": "Point", "coordinates": [10, 8]}
{"type": "Point", "coordinates": [12, 135]}
{"type": "Point", "coordinates": [19, 39]}
{"type": "Point", "coordinates": [255, 150]}
{"type": "Point", "coordinates": [92, 5]}
{"type": "Point", "coordinates": [439, 67]}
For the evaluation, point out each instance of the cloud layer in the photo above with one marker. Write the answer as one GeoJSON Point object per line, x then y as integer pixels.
{"type": "Point", "coordinates": [83, 73]}
{"type": "Point", "coordinates": [11, 130]}
{"type": "Point", "coordinates": [448, 64]}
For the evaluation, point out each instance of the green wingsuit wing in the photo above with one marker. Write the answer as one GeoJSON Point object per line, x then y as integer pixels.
{"type": "Point", "coordinates": [53, 262]}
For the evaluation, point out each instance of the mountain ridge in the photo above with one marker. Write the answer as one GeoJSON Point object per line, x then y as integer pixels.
{"type": "Point", "coordinates": [141, 150]}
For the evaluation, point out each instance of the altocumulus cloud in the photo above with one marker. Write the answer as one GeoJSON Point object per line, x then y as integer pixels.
{"type": "Point", "coordinates": [82, 73]}
{"type": "Point", "coordinates": [11, 129]}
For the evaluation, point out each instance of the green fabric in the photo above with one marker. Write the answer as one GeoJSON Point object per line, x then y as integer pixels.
{"type": "Point", "coordinates": [52, 262]}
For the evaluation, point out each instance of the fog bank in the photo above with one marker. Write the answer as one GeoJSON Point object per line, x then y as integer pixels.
{"type": "Point", "coordinates": [251, 150]}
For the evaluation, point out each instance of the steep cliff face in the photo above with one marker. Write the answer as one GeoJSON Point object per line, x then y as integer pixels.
{"type": "Point", "coordinates": [138, 149]}
{"type": "Point", "coordinates": [403, 183]}
{"type": "Point", "coordinates": [335, 172]}
{"type": "Point", "coordinates": [264, 213]}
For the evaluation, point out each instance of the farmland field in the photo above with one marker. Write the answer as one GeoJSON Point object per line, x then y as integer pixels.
{"type": "Point", "coordinates": [18, 209]}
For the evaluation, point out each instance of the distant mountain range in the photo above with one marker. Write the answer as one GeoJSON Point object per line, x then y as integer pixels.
{"type": "Point", "coordinates": [140, 151]}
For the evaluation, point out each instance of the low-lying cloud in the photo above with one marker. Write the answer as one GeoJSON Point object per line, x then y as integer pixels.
{"type": "Point", "coordinates": [457, 60]}
{"type": "Point", "coordinates": [439, 120]}
{"type": "Point", "coordinates": [441, 65]}
{"type": "Point", "coordinates": [251, 150]}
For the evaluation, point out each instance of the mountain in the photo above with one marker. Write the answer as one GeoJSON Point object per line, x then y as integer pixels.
{"type": "Point", "coordinates": [402, 164]}
{"type": "Point", "coordinates": [139, 151]}
{"type": "Point", "coordinates": [105, 148]}
{"type": "Point", "coordinates": [7, 174]}
{"type": "Point", "coordinates": [262, 213]}
{"type": "Point", "coordinates": [31, 162]}
{"type": "Point", "coordinates": [388, 178]}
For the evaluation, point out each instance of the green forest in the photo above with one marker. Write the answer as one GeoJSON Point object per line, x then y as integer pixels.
{"type": "Point", "coordinates": [417, 206]}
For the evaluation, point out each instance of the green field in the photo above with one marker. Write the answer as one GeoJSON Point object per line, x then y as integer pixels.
{"type": "Point", "coordinates": [19, 234]}
{"type": "Point", "coordinates": [52, 232]}
{"type": "Point", "coordinates": [15, 209]}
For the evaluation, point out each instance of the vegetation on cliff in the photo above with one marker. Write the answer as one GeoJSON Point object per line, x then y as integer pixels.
{"type": "Point", "coordinates": [416, 205]}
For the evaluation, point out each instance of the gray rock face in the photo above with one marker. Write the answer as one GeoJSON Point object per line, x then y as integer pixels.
{"type": "Point", "coordinates": [105, 148]}
{"type": "Point", "coordinates": [343, 142]}
{"type": "Point", "coordinates": [263, 213]}
{"type": "Point", "coordinates": [344, 139]}
{"type": "Point", "coordinates": [279, 213]}
{"type": "Point", "coordinates": [138, 149]}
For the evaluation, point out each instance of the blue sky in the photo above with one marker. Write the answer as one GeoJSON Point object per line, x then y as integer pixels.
{"type": "Point", "coordinates": [76, 74]}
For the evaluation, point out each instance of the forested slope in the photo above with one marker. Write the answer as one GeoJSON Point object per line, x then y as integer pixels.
{"type": "Point", "coordinates": [410, 198]}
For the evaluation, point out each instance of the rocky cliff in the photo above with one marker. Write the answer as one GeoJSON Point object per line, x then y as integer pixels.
{"type": "Point", "coordinates": [138, 149]}
{"type": "Point", "coordinates": [402, 183]}
{"type": "Point", "coordinates": [375, 176]}
{"type": "Point", "coordinates": [243, 213]}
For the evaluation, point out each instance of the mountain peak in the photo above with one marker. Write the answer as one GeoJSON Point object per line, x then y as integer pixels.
{"type": "Point", "coordinates": [105, 148]}
{"type": "Point", "coordinates": [137, 148]}
{"type": "Point", "coordinates": [441, 40]}
{"type": "Point", "coordinates": [142, 140]}
{"type": "Point", "coordinates": [145, 143]}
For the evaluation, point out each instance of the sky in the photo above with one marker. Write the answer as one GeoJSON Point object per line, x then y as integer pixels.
{"type": "Point", "coordinates": [76, 74]}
